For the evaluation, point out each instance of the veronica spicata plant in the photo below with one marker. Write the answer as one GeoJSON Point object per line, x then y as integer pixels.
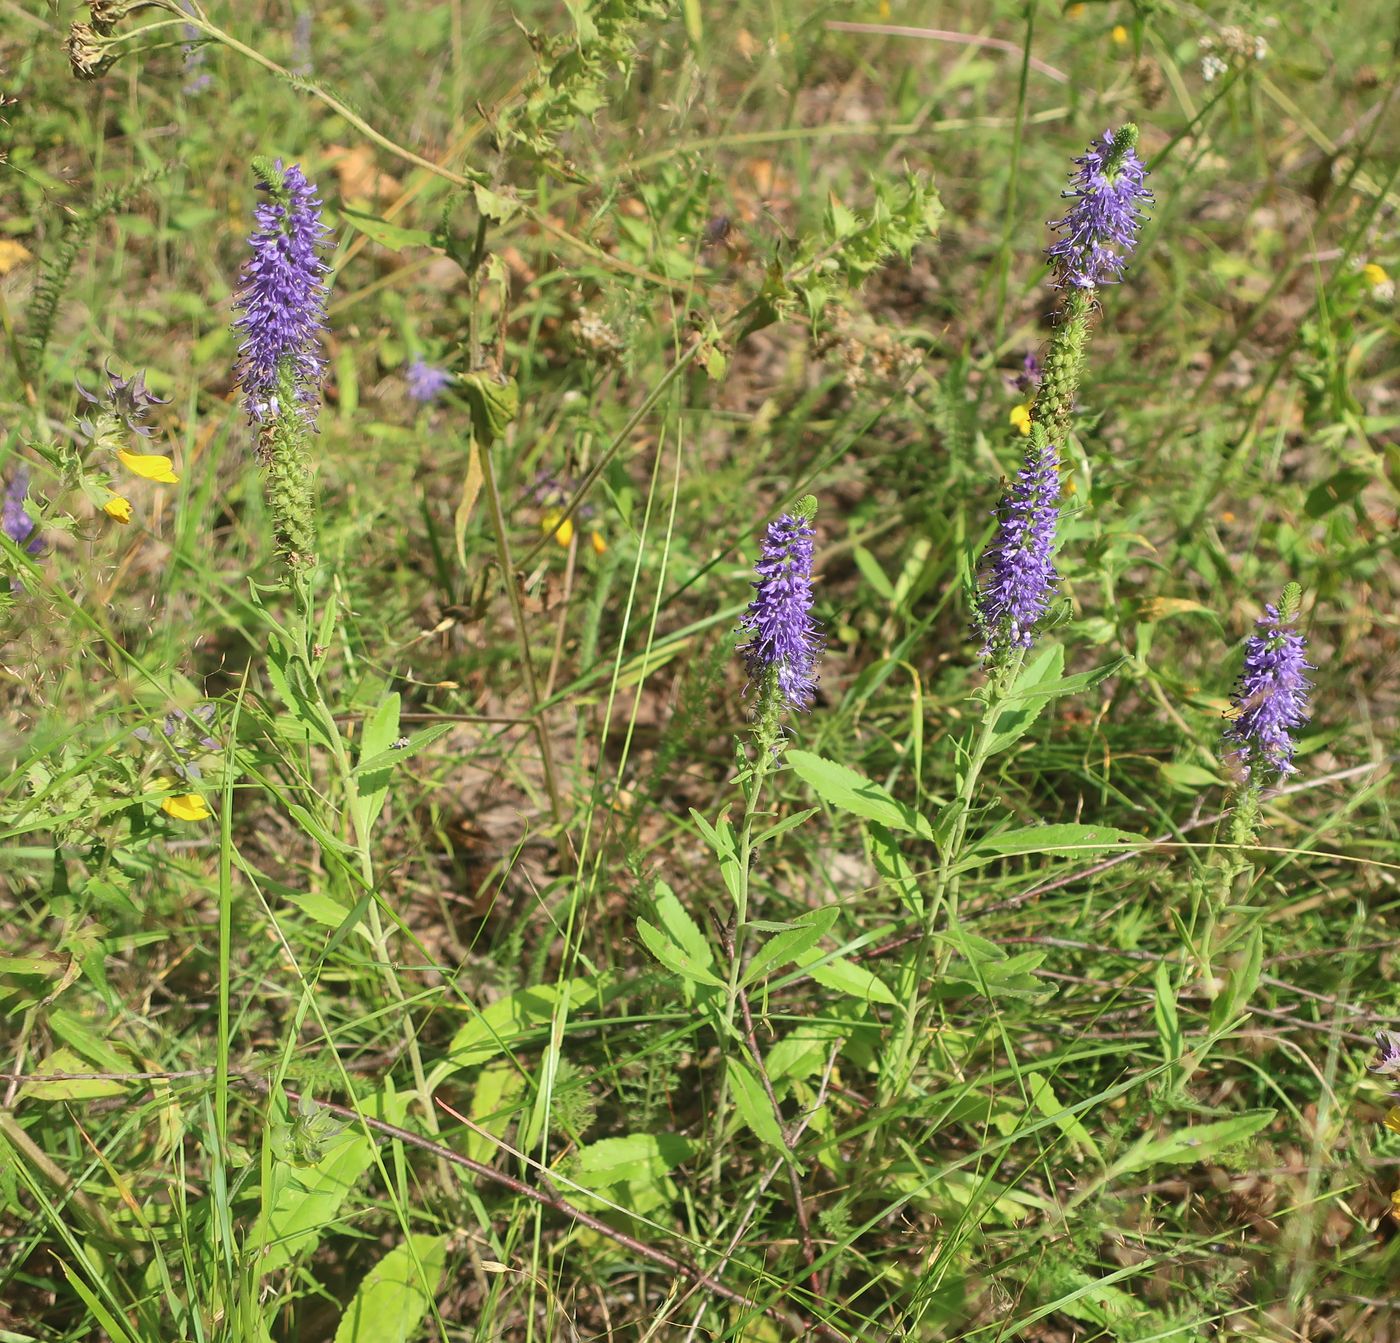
{"type": "Point", "coordinates": [1017, 579]}
{"type": "Point", "coordinates": [280, 362]}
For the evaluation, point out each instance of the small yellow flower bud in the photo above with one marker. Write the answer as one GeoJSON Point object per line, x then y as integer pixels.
{"type": "Point", "coordinates": [118, 508]}
{"type": "Point", "coordinates": [1119, 35]}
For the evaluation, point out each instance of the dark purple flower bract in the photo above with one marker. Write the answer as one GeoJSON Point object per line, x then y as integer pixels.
{"type": "Point", "coordinates": [1018, 572]}
{"type": "Point", "coordinates": [1270, 701]}
{"type": "Point", "coordinates": [283, 299]}
{"type": "Point", "coordinates": [426, 381]}
{"type": "Point", "coordinates": [785, 642]}
{"type": "Point", "coordinates": [1099, 231]}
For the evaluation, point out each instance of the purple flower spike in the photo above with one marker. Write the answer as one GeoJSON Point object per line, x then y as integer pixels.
{"type": "Point", "coordinates": [1099, 231]}
{"type": "Point", "coordinates": [1270, 701]}
{"type": "Point", "coordinates": [18, 525]}
{"type": "Point", "coordinates": [785, 642]}
{"type": "Point", "coordinates": [1018, 569]}
{"type": "Point", "coordinates": [283, 300]}
{"type": "Point", "coordinates": [426, 382]}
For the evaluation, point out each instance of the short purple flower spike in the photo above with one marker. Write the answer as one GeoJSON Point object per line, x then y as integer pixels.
{"type": "Point", "coordinates": [17, 524]}
{"type": "Point", "coordinates": [283, 300]}
{"type": "Point", "coordinates": [1270, 701]}
{"type": "Point", "coordinates": [1018, 569]}
{"type": "Point", "coordinates": [1099, 231]}
{"type": "Point", "coordinates": [426, 382]}
{"type": "Point", "coordinates": [785, 643]}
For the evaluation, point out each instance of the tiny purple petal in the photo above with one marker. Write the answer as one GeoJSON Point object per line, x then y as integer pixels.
{"type": "Point", "coordinates": [283, 299]}
{"type": "Point", "coordinates": [426, 382]}
{"type": "Point", "coordinates": [1270, 701]}
{"type": "Point", "coordinates": [784, 638]}
{"type": "Point", "coordinates": [1099, 231]}
{"type": "Point", "coordinates": [1018, 570]}
{"type": "Point", "coordinates": [1388, 1064]}
{"type": "Point", "coordinates": [18, 525]}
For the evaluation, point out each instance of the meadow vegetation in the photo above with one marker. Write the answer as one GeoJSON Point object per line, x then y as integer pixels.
{"type": "Point", "coordinates": [448, 891]}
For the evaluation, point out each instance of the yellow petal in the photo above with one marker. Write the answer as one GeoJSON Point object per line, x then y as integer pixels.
{"type": "Point", "coordinates": [12, 254]}
{"type": "Point", "coordinates": [186, 807]}
{"type": "Point", "coordinates": [1075, 11]}
{"type": "Point", "coordinates": [1392, 1119]}
{"type": "Point", "coordinates": [1119, 35]}
{"type": "Point", "coordinates": [149, 466]}
{"type": "Point", "coordinates": [599, 544]}
{"type": "Point", "coordinates": [1374, 275]}
{"type": "Point", "coordinates": [118, 508]}
{"type": "Point", "coordinates": [563, 531]}
{"type": "Point", "coordinates": [1021, 418]}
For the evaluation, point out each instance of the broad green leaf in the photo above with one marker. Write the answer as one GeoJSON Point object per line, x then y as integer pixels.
{"type": "Point", "coordinates": [675, 957]}
{"type": "Point", "coordinates": [1044, 1098]}
{"type": "Point", "coordinates": [380, 730]}
{"type": "Point", "coordinates": [1186, 1146]}
{"type": "Point", "coordinates": [308, 1203]}
{"type": "Point", "coordinates": [64, 1060]}
{"type": "Point", "coordinates": [641, 1157]}
{"type": "Point", "coordinates": [1026, 701]}
{"type": "Point", "coordinates": [1070, 838]}
{"type": "Point", "coordinates": [496, 1028]}
{"type": "Point", "coordinates": [789, 944]}
{"type": "Point", "coordinates": [492, 1109]}
{"type": "Point", "coordinates": [494, 403]}
{"type": "Point", "coordinates": [383, 761]}
{"type": "Point", "coordinates": [843, 976]}
{"type": "Point", "coordinates": [395, 1296]}
{"type": "Point", "coordinates": [383, 232]}
{"type": "Point", "coordinates": [754, 1107]}
{"type": "Point", "coordinates": [783, 826]}
{"type": "Point", "coordinates": [846, 790]}
{"type": "Point", "coordinates": [323, 908]}
{"type": "Point", "coordinates": [680, 927]}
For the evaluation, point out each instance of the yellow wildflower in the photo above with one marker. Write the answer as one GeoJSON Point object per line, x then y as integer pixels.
{"type": "Point", "coordinates": [118, 509]}
{"type": "Point", "coordinates": [563, 530]}
{"type": "Point", "coordinates": [182, 806]}
{"type": "Point", "coordinates": [1021, 417]}
{"type": "Point", "coordinates": [599, 545]}
{"type": "Point", "coordinates": [1075, 11]}
{"type": "Point", "coordinates": [1392, 1119]}
{"type": "Point", "coordinates": [1375, 275]}
{"type": "Point", "coordinates": [186, 807]}
{"type": "Point", "coordinates": [1119, 35]}
{"type": "Point", "coordinates": [149, 466]}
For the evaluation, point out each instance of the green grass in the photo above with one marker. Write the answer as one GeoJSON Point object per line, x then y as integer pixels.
{"type": "Point", "coordinates": [448, 1047]}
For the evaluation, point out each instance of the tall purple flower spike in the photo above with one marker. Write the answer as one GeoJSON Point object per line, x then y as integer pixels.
{"type": "Point", "coordinates": [1270, 701]}
{"type": "Point", "coordinates": [1018, 578]}
{"type": "Point", "coordinates": [784, 643]}
{"type": "Point", "coordinates": [283, 300]}
{"type": "Point", "coordinates": [1099, 231]}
